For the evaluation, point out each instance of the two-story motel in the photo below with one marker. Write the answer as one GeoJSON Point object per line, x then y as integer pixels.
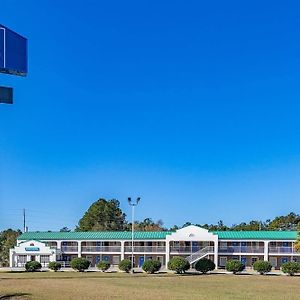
{"type": "Point", "coordinates": [191, 242]}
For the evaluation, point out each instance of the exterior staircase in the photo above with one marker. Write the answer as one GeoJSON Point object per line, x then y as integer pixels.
{"type": "Point", "coordinates": [195, 256]}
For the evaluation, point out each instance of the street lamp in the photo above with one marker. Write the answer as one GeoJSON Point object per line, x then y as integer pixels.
{"type": "Point", "coordinates": [133, 205]}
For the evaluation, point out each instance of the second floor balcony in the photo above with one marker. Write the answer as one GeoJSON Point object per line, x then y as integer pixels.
{"type": "Point", "coordinates": [241, 249]}
{"type": "Point", "coordinates": [101, 248]}
{"type": "Point", "coordinates": [143, 249]}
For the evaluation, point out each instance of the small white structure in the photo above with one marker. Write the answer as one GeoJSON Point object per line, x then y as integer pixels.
{"type": "Point", "coordinates": [31, 251]}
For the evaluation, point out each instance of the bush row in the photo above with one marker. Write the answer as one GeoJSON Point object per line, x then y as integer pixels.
{"type": "Point", "coordinates": [178, 264]}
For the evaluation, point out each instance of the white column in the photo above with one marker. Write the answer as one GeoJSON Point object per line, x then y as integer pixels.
{"type": "Point", "coordinates": [122, 250]}
{"type": "Point", "coordinates": [11, 258]}
{"type": "Point", "coordinates": [58, 245]}
{"type": "Point", "coordinates": [216, 253]}
{"type": "Point", "coordinates": [167, 253]}
{"type": "Point", "coordinates": [266, 250]}
{"type": "Point", "coordinates": [79, 248]}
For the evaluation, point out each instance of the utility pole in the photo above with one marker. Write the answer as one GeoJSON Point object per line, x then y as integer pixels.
{"type": "Point", "coordinates": [133, 205]}
{"type": "Point", "coordinates": [24, 219]}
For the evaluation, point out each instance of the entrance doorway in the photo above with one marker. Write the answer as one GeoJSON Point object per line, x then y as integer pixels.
{"type": "Point", "coordinates": [32, 257]}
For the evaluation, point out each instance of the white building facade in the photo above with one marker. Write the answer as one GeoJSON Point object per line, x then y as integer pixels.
{"type": "Point", "coordinates": [191, 242]}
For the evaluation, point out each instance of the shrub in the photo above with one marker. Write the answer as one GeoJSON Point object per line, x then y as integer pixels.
{"type": "Point", "coordinates": [262, 267]}
{"type": "Point", "coordinates": [125, 265]}
{"type": "Point", "coordinates": [32, 266]}
{"type": "Point", "coordinates": [55, 266]}
{"type": "Point", "coordinates": [234, 266]}
{"type": "Point", "coordinates": [151, 266]}
{"type": "Point", "coordinates": [204, 265]}
{"type": "Point", "coordinates": [178, 264]}
{"type": "Point", "coordinates": [80, 264]}
{"type": "Point", "coordinates": [290, 268]}
{"type": "Point", "coordinates": [103, 265]}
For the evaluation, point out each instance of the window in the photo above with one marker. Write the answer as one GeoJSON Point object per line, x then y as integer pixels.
{"type": "Point", "coordinates": [235, 244]}
{"type": "Point", "coordinates": [22, 259]}
{"type": "Point", "coordinates": [285, 244]}
{"type": "Point", "coordinates": [253, 260]}
{"type": "Point", "coordinates": [45, 259]}
{"type": "Point", "coordinates": [223, 244]}
{"type": "Point", "coordinates": [223, 261]}
{"type": "Point", "coordinates": [284, 260]}
{"type": "Point", "coordinates": [115, 259]}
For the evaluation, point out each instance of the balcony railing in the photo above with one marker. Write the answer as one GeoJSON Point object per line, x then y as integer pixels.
{"type": "Point", "coordinates": [145, 249]}
{"type": "Point", "coordinates": [282, 250]}
{"type": "Point", "coordinates": [101, 248]}
{"type": "Point", "coordinates": [241, 249]}
{"type": "Point", "coordinates": [69, 248]}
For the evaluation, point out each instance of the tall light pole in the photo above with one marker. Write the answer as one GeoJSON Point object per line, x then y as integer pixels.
{"type": "Point", "coordinates": [133, 205]}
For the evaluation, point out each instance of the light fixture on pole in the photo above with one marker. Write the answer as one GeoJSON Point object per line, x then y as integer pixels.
{"type": "Point", "coordinates": [133, 205]}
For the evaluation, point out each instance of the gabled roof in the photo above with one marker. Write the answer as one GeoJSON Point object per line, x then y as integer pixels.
{"type": "Point", "coordinates": [155, 235]}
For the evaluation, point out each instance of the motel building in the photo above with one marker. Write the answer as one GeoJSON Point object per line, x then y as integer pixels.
{"type": "Point", "coordinates": [191, 242]}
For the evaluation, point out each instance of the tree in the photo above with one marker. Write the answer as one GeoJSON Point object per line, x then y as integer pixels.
{"type": "Point", "coordinates": [32, 266]}
{"type": "Point", "coordinates": [288, 222]}
{"type": "Point", "coordinates": [262, 267]}
{"type": "Point", "coordinates": [65, 229]}
{"type": "Point", "coordinates": [151, 266]}
{"type": "Point", "coordinates": [148, 225]}
{"type": "Point", "coordinates": [103, 215]}
{"type": "Point", "coordinates": [290, 268]}
{"type": "Point", "coordinates": [178, 264]}
{"type": "Point", "coordinates": [204, 265]}
{"type": "Point", "coordinates": [125, 265]}
{"type": "Point", "coordinates": [80, 264]}
{"type": "Point", "coordinates": [103, 265]}
{"type": "Point", "coordinates": [8, 239]}
{"type": "Point", "coordinates": [234, 266]}
{"type": "Point", "coordinates": [54, 266]}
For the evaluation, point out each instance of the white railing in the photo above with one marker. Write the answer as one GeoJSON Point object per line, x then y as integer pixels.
{"type": "Point", "coordinates": [64, 264]}
{"type": "Point", "coordinates": [200, 254]}
{"type": "Point", "coordinates": [287, 250]}
{"type": "Point", "coordinates": [145, 249]}
{"type": "Point", "coordinates": [241, 249]}
{"type": "Point", "coordinates": [69, 248]}
{"type": "Point", "coordinates": [101, 248]}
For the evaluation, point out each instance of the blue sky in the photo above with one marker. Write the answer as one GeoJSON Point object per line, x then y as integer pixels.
{"type": "Point", "coordinates": [193, 106]}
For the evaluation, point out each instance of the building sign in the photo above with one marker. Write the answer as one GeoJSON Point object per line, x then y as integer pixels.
{"type": "Point", "coordinates": [32, 249]}
{"type": "Point", "coordinates": [13, 52]}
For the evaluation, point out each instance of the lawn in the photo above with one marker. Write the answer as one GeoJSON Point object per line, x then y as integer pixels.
{"type": "Point", "coordinates": [71, 285]}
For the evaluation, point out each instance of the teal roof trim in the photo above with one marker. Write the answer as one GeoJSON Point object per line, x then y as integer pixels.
{"type": "Point", "coordinates": [257, 235]}
{"type": "Point", "coordinates": [95, 235]}
{"type": "Point", "coordinates": [155, 235]}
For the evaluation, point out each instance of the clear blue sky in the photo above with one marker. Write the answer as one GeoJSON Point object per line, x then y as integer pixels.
{"type": "Point", "coordinates": [193, 106]}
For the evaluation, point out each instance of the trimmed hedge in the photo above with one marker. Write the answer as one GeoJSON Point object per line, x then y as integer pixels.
{"type": "Point", "coordinates": [205, 265]}
{"type": "Point", "coordinates": [151, 266]}
{"type": "Point", "coordinates": [262, 267]}
{"type": "Point", "coordinates": [290, 268]}
{"type": "Point", "coordinates": [234, 266]}
{"type": "Point", "coordinates": [103, 265]}
{"type": "Point", "coordinates": [125, 265]}
{"type": "Point", "coordinates": [178, 264]}
{"type": "Point", "coordinates": [80, 264]}
{"type": "Point", "coordinates": [54, 266]}
{"type": "Point", "coordinates": [32, 266]}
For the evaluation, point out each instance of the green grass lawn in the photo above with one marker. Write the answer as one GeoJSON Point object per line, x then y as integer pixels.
{"type": "Point", "coordinates": [71, 285]}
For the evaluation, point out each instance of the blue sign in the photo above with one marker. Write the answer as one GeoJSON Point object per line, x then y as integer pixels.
{"type": "Point", "coordinates": [32, 249]}
{"type": "Point", "coordinates": [13, 52]}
